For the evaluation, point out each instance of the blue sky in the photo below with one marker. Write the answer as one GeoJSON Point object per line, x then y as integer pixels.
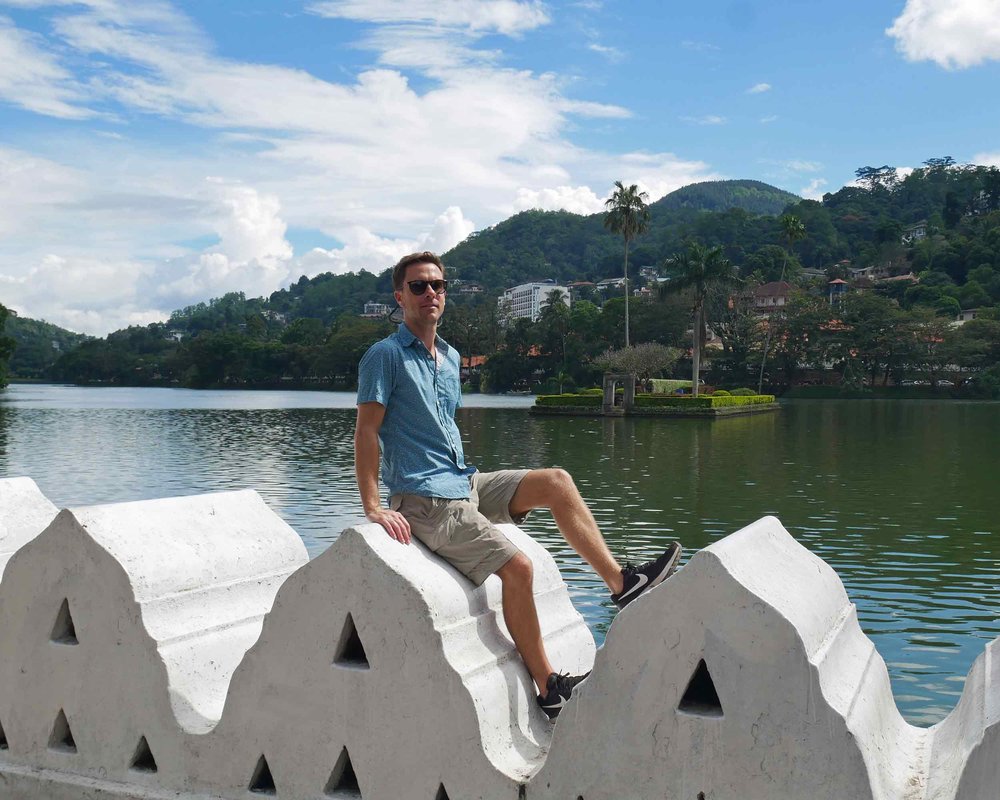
{"type": "Point", "coordinates": [154, 154]}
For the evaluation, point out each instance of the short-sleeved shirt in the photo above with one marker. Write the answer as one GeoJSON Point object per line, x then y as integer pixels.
{"type": "Point", "coordinates": [421, 446]}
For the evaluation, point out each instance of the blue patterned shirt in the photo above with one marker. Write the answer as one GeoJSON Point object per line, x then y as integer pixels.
{"type": "Point", "coordinates": [421, 446]}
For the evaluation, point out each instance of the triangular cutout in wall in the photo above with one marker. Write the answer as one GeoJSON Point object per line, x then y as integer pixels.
{"type": "Point", "coordinates": [3, 738]}
{"type": "Point", "coordinates": [142, 760]}
{"type": "Point", "coordinates": [343, 782]}
{"type": "Point", "coordinates": [700, 698]}
{"type": "Point", "coordinates": [442, 794]}
{"type": "Point", "coordinates": [61, 737]}
{"type": "Point", "coordinates": [64, 631]}
{"type": "Point", "coordinates": [262, 782]}
{"type": "Point", "coordinates": [350, 651]}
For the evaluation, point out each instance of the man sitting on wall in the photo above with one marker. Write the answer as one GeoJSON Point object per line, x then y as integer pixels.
{"type": "Point", "coordinates": [408, 390]}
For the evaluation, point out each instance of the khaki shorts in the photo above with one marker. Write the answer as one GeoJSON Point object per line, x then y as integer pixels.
{"type": "Point", "coordinates": [464, 532]}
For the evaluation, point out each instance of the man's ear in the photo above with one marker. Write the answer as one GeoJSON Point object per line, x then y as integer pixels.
{"type": "Point", "coordinates": [399, 298]}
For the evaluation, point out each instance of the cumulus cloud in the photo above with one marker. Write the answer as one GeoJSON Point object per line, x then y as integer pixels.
{"type": "Point", "coordinates": [363, 249]}
{"type": "Point", "coordinates": [369, 158]}
{"type": "Point", "coordinates": [768, 119]}
{"type": "Point", "coordinates": [577, 199]}
{"type": "Point", "coordinates": [987, 159]}
{"type": "Point", "coordinates": [955, 34]}
{"type": "Point", "coordinates": [759, 88]}
{"type": "Point", "coordinates": [83, 294]}
{"type": "Point", "coordinates": [814, 189]}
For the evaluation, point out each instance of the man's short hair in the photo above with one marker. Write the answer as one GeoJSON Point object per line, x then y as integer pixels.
{"type": "Point", "coordinates": [399, 271]}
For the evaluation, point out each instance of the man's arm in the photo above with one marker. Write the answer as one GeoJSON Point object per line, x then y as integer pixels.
{"type": "Point", "coordinates": [366, 460]}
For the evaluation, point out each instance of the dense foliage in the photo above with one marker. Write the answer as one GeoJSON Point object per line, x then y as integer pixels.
{"type": "Point", "coordinates": [38, 345]}
{"type": "Point", "coordinates": [7, 345]}
{"type": "Point", "coordinates": [940, 222]}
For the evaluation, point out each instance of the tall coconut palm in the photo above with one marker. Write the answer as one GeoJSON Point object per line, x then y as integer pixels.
{"type": "Point", "coordinates": [698, 269]}
{"type": "Point", "coordinates": [792, 230]}
{"type": "Point", "coordinates": [627, 215]}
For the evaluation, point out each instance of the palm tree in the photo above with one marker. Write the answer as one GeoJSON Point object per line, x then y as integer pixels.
{"type": "Point", "coordinates": [698, 269]}
{"type": "Point", "coordinates": [627, 215]}
{"type": "Point", "coordinates": [792, 229]}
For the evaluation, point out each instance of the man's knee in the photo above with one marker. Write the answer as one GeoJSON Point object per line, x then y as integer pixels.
{"type": "Point", "coordinates": [558, 481]}
{"type": "Point", "coordinates": [519, 571]}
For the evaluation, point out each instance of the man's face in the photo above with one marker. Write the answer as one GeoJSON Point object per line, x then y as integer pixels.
{"type": "Point", "coordinates": [421, 309]}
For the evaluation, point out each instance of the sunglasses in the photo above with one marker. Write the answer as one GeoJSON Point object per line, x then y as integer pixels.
{"type": "Point", "coordinates": [420, 287]}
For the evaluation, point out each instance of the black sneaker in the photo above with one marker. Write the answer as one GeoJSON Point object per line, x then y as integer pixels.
{"type": "Point", "coordinates": [558, 689]}
{"type": "Point", "coordinates": [645, 576]}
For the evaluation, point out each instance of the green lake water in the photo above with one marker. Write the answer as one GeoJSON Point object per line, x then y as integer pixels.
{"type": "Point", "coordinates": [902, 498]}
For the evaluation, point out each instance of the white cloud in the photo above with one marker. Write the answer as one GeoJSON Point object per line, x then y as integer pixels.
{"type": "Point", "coordinates": [33, 79]}
{"type": "Point", "coordinates": [955, 34]}
{"type": "Point", "coordinates": [768, 119]}
{"type": "Point", "coordinates": [987, 159]}
{"type": "Point", "coordinates": [612, 54]}
{"type": "Point", "coordinates": [707, 119]}
{"type": "Point", "coordinates": [82, 294]}
{"type": "Point", "coordinates": [502, 16]}
{"type": "Point", "coordinates": [363, 249]}
{"type": "Point", "coordinates": [801, 165]}
{"type": "Point", "coordinates": [814, 189]}
{"type": "Point", "coordinates": [658, 174]}
{"type": "Point", "coordinates": [759, 88]}
{"type": "Point", "coordinates": [369, 159]}
{"type": "Point", "coordinates": [577, 199]}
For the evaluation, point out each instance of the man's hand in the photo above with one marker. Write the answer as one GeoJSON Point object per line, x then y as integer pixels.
{"type": "Point", "coordinates": [395, 524]}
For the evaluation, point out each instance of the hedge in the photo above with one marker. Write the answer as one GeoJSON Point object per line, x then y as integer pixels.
{"type": "Point", "coordinates": [656, 400]}
{"type": "Point", "coordinates": [584, 400]}
{"type": "Point", "coordinates": [701, 401]}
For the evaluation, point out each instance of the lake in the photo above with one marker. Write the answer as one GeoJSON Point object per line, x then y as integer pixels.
{"type": "Point", "coordinates": [900, 497]}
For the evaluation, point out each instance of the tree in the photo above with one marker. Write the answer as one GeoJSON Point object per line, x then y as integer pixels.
{"type": "Point", "coordinates": [697, 270]}
{"type": "Point", "coordinates": [642, 360]}
{"type": "Point", "coordinates": [792, 230]}
{"type": "Point", "coordinates": [627, 215]}
{"type": "Point", "coordinates": [876, 178]}
{"type": "Point", "coordinates": [7, 345]}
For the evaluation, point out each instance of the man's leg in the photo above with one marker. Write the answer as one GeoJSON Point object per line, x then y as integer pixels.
{"type": "Point", "coordinates": [555, 490]}
{"type": "Point", "coordinates": [519, 613]}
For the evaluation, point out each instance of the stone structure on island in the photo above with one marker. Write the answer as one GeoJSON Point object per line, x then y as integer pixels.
{"type": "Point", "coordinates": [187, 648]}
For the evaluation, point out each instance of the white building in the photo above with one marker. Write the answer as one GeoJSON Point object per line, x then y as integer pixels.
{"type": "Point", "coordinates": [528, 299]}
{"type": "Point", "coordinates": [375, 310]}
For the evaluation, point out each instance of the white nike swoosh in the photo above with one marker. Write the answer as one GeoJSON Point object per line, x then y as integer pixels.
{"type": "Point", "coordinates": [643, 580]}
{"type": "Point", "coordinates": [560, 704]}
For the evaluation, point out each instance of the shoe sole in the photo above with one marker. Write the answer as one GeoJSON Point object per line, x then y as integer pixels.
{"type": "Point", "coordinates": [669, 569]}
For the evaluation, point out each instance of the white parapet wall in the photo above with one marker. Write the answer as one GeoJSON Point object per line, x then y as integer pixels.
{"type": "Point", "coordinates": [24, 513]}
{"type": "Point", "coordinates": [187, 649]}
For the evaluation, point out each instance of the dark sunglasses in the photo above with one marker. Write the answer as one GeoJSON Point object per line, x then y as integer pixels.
{"type": "Point", "coordinates": [420, 287]}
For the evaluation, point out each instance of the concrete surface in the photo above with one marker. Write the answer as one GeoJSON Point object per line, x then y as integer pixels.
{"type": "Point", "coordinates": [186, 648]}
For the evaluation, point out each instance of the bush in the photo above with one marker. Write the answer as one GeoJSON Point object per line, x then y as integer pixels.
{"type": "Point", "coordinates": [669, 386]}
{"type": "Point", "coordinates": [720, 393]}
{"type": "Point", "coordinates": [701, 401]}
{"type": "Point", "coordinates": [593, 391]}
{"type": "Point", "coordinates": [743, 391]}
{"type": "Point", "coordinates": [583, 400]}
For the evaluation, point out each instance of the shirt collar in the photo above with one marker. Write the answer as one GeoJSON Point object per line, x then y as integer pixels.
{"type": "Point", "coordinates": [407, 338]}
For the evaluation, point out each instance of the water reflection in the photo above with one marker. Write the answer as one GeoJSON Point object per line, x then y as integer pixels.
{"type": "Point", "coordinates": [898, 497]}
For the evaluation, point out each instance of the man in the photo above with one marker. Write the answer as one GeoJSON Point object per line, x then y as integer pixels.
{"type": "Point", "coordinates": [408, 390]}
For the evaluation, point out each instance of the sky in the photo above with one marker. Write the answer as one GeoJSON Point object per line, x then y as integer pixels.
{"type": "Point", "coordinates": [155, 153]}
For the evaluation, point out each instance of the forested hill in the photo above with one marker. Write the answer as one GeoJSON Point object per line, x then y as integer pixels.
{"type": "Point", "coordinates": [941, 222]}
{"type": "Point", "coordinates": [753, 196]}
{"type": "Point", "coordinates": [567, 247]}
{"type": "Point", "coordinates": [38, 346]}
